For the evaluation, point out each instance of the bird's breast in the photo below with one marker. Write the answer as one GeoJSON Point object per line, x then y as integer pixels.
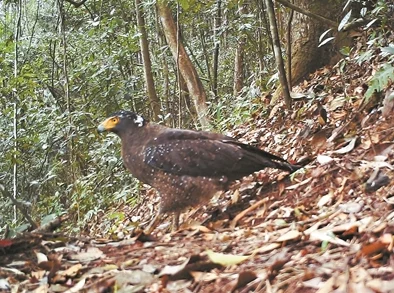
{"type": "Point", "coordinates": [134, 161]}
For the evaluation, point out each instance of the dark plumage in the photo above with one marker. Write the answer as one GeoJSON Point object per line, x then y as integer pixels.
{"type": "Point", "coordinates": [186, 167]}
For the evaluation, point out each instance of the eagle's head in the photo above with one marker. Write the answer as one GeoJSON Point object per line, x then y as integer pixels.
{"type": "Point", "coordinates": [121, 121]}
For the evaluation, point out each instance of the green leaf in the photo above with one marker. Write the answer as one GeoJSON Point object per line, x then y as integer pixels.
{"type": "Point", "coordinates": [324, 245]}
{"type": "Point", "coordinates": [185, 4]}
{"type": "Point", "coordinates": [380, 80]}
{"type": "Point", "coordinates": [116, 215]}
{"type": "Point", "coordinates": [366, 56]}
{"type": "Point", "coordinates": [48, 218]}
{"type": "Point", "coordinates": [389, 49]}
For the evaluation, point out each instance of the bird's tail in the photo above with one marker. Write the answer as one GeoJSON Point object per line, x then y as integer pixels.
{"type": "Point", "coordinates": [267, 159]}
{"type": "Point", "coordinates": [286, 166]}
{"type": "Point", "coordinates": [277, 162]}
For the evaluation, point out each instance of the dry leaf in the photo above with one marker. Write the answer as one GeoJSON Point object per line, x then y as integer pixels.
{"type": "Point", "coordinates": [204, 277]}
{"type": "Point", "coordinates": [41, 257]}
{"type": "Point", "coordinates": [381, 285]}
{"type": "Point", "coordinates": [291, 235]}
{"type": "Point", "coordinates": [42, 289]}
{"type": "Point", "coordinates": [243, 279]}
{"type": "Point", "coordinates": [91, 253]}
{"type": "Point", "coordinates": [235, 196]}
{"type": "Point", "coordinates": [327, 236]}
{"type": "Point", "coordinates": [324, 200]}
{"type": "Point", "coordinates": [319, 140]}
{"type": "Point", "coordinates": [135, 277]}
{"type": "Point", "coordinates": [183, 271]}
{"type": "Point", "coordinates": [314, 283]}
{"type": "Point", "coordinates": [373, 248]}
{"type": "Point", "coordinates": [77, 287]}
{"type": "Point", "coordinates": [324, 159]}
{"type": "Point", "coordinates": [226, 259]}
{"type": "Point", "coordinates": [388, 104]}
{"type": "Point", "coordinates": [348, 148]}
{"type": "Point", "coordinates": [4, 285]}
{"type": "Point", "coordinates": [266, 248]}
{"type": "Point", "coordinates": [72, 271]}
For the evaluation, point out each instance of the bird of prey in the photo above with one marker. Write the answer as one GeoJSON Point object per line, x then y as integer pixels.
{"type": "Point", "coordinates": [186, 167]}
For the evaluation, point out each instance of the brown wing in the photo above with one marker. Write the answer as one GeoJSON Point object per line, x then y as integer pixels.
{"type": "Point", "coordinates": [206, 154]}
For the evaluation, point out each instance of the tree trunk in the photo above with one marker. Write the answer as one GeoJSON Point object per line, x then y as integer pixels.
{"type": "Point", "coordinates": [186, 67]}
{"type": "Point", "coordinates": [278, 52]}
{"type": "Point", "coordinates": [185, 103]}
{"type": "Point", "coordinates": [261, 39]}
{"type": "Point", "coordinates": [239, 58]}
{"type": "Point", "coordinates": [306, 55]}
{"type": "Point", "coordinates": [150, 85]}
{"type": "Point", "coordinates": [217, 24]}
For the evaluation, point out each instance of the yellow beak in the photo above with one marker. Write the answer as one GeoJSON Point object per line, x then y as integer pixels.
{"type": "Point", "coordinates": [108, 124]}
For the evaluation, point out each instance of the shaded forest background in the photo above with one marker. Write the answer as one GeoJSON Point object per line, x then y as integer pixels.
{"type": "Point", "coordinates": [66, 65]}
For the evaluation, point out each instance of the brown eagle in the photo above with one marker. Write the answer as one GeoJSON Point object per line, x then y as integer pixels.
{"type": "Point", "coordinates": [186, 167]}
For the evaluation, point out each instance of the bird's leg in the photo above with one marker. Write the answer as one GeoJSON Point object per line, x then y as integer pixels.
{"type": "Point", "coordinates": [154, 223]}
{"type": "Point", "coordinates": [175, 221]}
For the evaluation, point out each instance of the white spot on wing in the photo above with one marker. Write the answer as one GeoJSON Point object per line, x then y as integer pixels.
{"type": "Point", "coordinates": [139, 121]}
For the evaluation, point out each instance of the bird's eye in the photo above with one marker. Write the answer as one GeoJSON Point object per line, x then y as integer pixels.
{"type": "Point", "coordinates": [114, 120]}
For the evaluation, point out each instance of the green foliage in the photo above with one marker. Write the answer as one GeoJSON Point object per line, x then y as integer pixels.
{"type": "Point", "coordinates": [230, 111]}
{"type": "Point", "coordinates": [379, 14]}
{"type": "Point", "coordinates": [380, 80]}
{"type": "Point", "coordinates": [63, 165]}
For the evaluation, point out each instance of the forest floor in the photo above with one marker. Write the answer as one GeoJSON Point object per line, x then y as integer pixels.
{"type": "Point", "coordinates": [326, 228]}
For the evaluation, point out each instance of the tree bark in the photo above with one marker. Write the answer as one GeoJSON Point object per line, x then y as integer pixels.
{"type": "Point", "coordinates": [278, 52]}
{"type": "Point", "coordinates": [288, 49]}
{"type": "Point", "coordinates": [307, 27]}
{"type": "Point", "coordinates": [306, 55]}
{"type": "Point", "coordinates": [150, 85]}
{"type": "Point", "coordinates": [239, 59]}
{"type": "Point", "coordinates": [217, 24]}
{"type": "Point", "coordinates": [318, 17]}
{"type": "Point", "coordinates": [186, 67]}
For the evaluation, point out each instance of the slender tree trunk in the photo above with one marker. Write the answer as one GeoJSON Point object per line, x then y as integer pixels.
{"type": "Point", "coordinates": [66, 88]}
{"type": "Point", "coordinates": [288, 48]}
{"type": "Point", "coordinates": [17, 35]}
{"type": "Point", "coordinates": [238, 69]}
{"type": "Point", "coordinates": [260, 40]}
{"type": "Point", "coordinates": [150, 85]}
{"type": "Point", "coordinates": [206, 56]}
{"type": "Point", "coordinates": [217, 24]}
{"type": "Point", "coordinates": [239, 58]}
{"type": "Point", "coordinates": [278, 52]}
{"type": "Point", "coordinates": [186, 101]}
{"type": "Point", "coordinates": [186, 67]}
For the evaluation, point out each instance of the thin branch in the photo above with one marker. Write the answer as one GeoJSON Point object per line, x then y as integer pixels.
{"type": "Point", "coordinates": [18, 205]}
{"type": "Point", "coordinates": [91, 14]}
{"type": "Point", "coordinates": [32, 33]}
{"type": "Point", "coordinates": [308, 13]}
{"type": "Point", "coordinates": [18, 32]}
{"type": "Point", "coordinates": [76, 4]}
